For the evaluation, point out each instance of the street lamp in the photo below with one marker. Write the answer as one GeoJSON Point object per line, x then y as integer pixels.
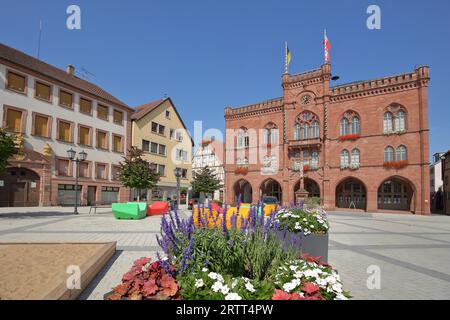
{"type": "Point", "coordinates": [81, 157]}
{"type": "Point", "coordinates": [177, 172]}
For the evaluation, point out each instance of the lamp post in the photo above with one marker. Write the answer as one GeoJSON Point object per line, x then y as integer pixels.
{"type": "Point", "coordinates": [177, 173]}
{"type": "Point", "coordinates": [73, 157]}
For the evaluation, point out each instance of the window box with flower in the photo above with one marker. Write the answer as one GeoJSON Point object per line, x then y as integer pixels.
{"type": "Point", "coordinates": [241, 170]}
{"type": "Point", "coordinates": [395, 164]}
{"type": "Point", "coordinates": [354, 166]}
{"type": "Point", "coordinates": [349, 137]}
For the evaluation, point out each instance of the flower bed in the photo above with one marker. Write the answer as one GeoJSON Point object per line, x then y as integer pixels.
{"type": "Point", "coordinates": [303, 220]}
{"type": "Point", "coordinates": [226, 262]}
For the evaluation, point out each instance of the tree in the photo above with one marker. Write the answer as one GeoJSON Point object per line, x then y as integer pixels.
{"type": "Point", "coordinates": [206, 181]}
{"type": "Point", "coordinates": [136, 172]}
{"type": "Point", "coordinates": [8, 148]}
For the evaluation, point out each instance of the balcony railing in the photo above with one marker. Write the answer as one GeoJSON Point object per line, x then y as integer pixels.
{"type": "Point", "coordinates": [316, 142]}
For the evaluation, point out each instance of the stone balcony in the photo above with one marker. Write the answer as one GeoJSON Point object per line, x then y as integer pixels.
{"type": "Point", "coordinates": [315, 143]}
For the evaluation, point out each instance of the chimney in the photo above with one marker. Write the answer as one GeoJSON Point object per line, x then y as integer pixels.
{"type": "Point", "coordinates": [70, 70]}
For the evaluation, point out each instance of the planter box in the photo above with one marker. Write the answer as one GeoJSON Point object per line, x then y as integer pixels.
{"type": "Point", "coordinates": [314, 244]}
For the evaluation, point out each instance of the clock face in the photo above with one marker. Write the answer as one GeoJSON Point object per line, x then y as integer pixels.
{"type": "Point", "coordinates": [306, 99]}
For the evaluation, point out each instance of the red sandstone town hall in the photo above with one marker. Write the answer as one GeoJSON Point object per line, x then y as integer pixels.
{"type": "Point", "coordinates": [362, 145]}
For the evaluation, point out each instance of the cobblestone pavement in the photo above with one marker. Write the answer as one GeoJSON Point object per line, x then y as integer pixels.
{"type": "Point", "coordinates": [411, 252]}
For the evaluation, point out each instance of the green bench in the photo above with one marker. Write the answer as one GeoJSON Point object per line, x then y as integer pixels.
{"type": "Point", "coordinates": [130, 210]}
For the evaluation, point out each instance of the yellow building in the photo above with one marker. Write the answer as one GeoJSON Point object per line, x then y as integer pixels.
{"type": "Point", "coordinates": [159, 131]}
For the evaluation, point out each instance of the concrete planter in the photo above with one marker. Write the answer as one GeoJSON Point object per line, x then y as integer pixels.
{"type": "Point", "coordinates": [314, 244]}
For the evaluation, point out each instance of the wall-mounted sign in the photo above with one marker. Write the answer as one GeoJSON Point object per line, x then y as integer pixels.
{"type": "Point", "coordinates": [33, 185]}
{"type": "Point", "coordinates": [2, 183]}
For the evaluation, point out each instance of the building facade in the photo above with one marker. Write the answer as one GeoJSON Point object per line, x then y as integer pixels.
{"type": "Point", "coordinates": [159, 131]}
{"type": "Point", "coordinates": [51, 111]}
{"type": "Point", "coordinates": [362, 145]}
{"type": "Point", "coordinates": [436, 183]}
{"type": "Point", "coordinates": [446, 182]}
{"type": "Point", "coordinates": [210, 154]}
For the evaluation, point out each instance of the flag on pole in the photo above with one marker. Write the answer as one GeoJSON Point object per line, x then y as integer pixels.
{"type": "Point", "coordinates": [288, 58]}
{"type": "Point", "coordinates": [327, 47]}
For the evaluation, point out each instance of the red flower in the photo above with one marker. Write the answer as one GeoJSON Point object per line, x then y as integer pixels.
{"type": "Point", "coordinates": [150, 288]}
{"type": "Point", "coordinates": [283, 295]}
{"type": "Point", "coordinates": [141, 262]}
{"type": "Point", "coordinates": [310, 288]}
{"type": "Point", "coordinates": [128, 276]}
{"type": "Point", "coordinates": [350, 137]}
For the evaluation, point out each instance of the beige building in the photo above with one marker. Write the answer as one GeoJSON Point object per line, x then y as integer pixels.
{"type": "Point", "coordinates": [159, 131]}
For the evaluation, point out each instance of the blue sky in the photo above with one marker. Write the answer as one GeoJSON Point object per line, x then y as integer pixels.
{"type": "Point", "coordinates": [208, 54]}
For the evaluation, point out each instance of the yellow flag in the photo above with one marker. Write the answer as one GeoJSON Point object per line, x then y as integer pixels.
{"type": "Point", "coordinates": [288, 56]}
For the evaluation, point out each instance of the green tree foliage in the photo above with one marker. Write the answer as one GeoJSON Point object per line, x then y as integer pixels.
{"type": "Point", "coordinates": [136, 172]}
{"type": "Point", "coordinates": [8, 148]}
{"type": "Point", "coordinates": [205, 180]}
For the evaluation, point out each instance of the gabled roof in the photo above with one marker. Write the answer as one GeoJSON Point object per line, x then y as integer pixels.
{"type": "Point", "coordinates": [142, 110]}
{"type": "Point", "coordinates": [28, 62]}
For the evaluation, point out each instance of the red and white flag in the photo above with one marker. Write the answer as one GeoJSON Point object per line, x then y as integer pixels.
{"type": "Point", "coordinates": [327, 47]}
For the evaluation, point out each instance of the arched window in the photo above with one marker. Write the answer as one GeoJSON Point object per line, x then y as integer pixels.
{"type": "Point", "coordinates": [387, 122]}
{"type": "Point", "coordinates": [270, 134]}
{"type": "Point", "coordinates": [401, 154]}
{"type": "Point", "coordinates": [315, 159]}
{"type": "Point", "coordinates": [388, 154]}
{"type": "Point", "coordinates": [266, 136]}
{"type": "Point", "coordinates": [344, 127]}
{"type": "Point", "coordinates": [400, 121]}
{"type": "Point", "coordinates": [355, 125]}
{"type": "Point", "coordinates": [315, 130]}
{"type": "Point", "coordinates": [355, 156]}
{"type": "Point", "coordinates": [274, 136]}
{"type": "Point", "coordinates": [245, 162]}
{"type": "Point", "coordinates": [305, 132]}
{"type": "Point", "coordinates": [344, 158]}
{"type": "Point", "coordinates": [307, 126]}
{"type": "Point", "coordinates": [297, 130]}
{"type": "Point", "coordinates": [242, 138]}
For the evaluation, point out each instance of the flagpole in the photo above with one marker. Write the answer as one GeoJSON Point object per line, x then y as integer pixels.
{"type": "Point", "coordinates": [286, 71]}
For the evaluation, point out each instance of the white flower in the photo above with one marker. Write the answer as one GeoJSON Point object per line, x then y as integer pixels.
{"type": "Point", "coordinates": [288, 287]}
{"type": "Point", "coordinates": [217, 286]}
{"type": "Point", "coordinates": [304, 219]}
{"type": "Point", "coordinates": [234, 283]}
{"type": "Point", "coordinates": [312, 226]}
{"type": "Point", "coordinates": [199, 283]}
{"type": "Point", "coordinates": [224, 290]}
{"type": "Point", "coordinates": [233, 296]}
{"type": "Point", "coordinates": [249, 287]}
{"type": "Point", "coordinates": [212, 275]}
{"type": "Point", "coordinates": [337, 287]}
{"type": "Point", "coordinates": [340, 296]}
{"type": "Point", "coordinates": [205, 270]}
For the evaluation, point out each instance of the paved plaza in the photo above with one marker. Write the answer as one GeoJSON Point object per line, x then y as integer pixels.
{"type": "Point", "coordinates": [411, 252]}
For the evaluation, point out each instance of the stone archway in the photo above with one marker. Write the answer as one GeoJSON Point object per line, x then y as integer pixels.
{"type": "Point", "coordinates": [243, 190]}
{"type": "Point", "coordinates": [271, 188]}
{"type": "Point", "coordinates": [351, 194]}
{"type": "Point", "coordinates": [395, 193]}
{"type": "Point", "coordinates": [311, 186]}
{"type": "Point", "coordinates": [21, 188]}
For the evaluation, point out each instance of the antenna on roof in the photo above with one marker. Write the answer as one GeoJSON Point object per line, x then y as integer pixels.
{"type": "Point", "coordinates": [39, 39]}
{"type": "Point", "coordinates": [85, 74]}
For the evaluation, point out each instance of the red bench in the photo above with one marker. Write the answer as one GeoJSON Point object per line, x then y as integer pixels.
{"type": "Point", "coordinates": [158, 208]}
